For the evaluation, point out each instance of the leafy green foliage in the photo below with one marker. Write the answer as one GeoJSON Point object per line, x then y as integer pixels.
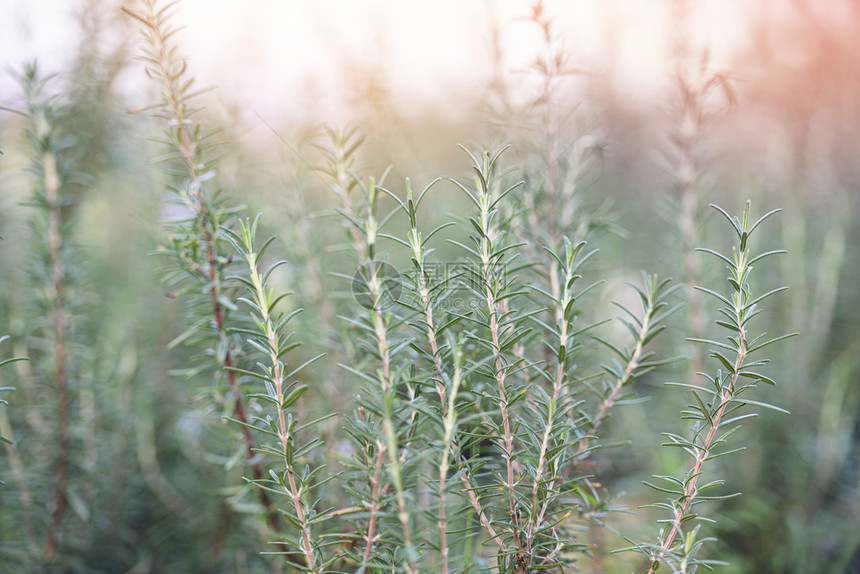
{"type": "Point", "coordinates": [269, 338]}
{"type": "Point", "coordinates": [448, 389]}
{"type": "Point", "coordinates": [480, 383]}
{"type": "Point", "coordinates": [486, 394]}
{"type": "Point", "coordinates": [717, 402]}
{"type": "Point", "coordinates": [199, 237]}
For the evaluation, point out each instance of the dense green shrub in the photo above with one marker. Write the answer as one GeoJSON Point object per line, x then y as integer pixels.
{"type": "Point", "coordinates": [470, 387]}
{"type": "Point", "coordinates": [419, 381]}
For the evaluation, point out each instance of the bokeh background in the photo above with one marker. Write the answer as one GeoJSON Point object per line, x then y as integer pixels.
{"type": "Point", "coordinates": [658, 108]}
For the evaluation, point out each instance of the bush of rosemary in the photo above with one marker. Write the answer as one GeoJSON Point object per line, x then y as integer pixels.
{"type": "Point", "coordinates": [475, 386]}
{"type": "Point", "coordinates": [243, 365]}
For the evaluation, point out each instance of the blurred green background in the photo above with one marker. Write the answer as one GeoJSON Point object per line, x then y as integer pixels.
{"type": "Point", "coordinates": [771, 115]}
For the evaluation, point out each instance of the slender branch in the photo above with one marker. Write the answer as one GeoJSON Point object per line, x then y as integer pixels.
{"type": "Point", "coordinates": [447, 410]}
{"type": "Point", "coordinates": [55, 245]}
{"type": "Point", "coordinates": [448, 413]}
{"type": "Point", "coordinates": [703, 451]}
{"type": "Point", "coordinates": [476, 504]}
{"type": "Point", "coordinates": [503, 403]}
{"type": "Point", "coordinates": [263, 299]}
{"type": "Point", "coordinates": [560, 386]}
{"type": "Point", "coordinates": [170, 72]}
{"type": "Point", "coordinates": [374, 503]}
{"type": "Point", "coordinates": [556, 390]}
{"type": "Point", "coordinates": [736, 314]}
{"type": "Point", "coordinates": [388, 425]}
{"type": "Point", "coordinates": [446, 401]}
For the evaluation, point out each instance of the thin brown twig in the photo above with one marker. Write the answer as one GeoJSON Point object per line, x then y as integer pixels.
{"type": "Point", "coordinates": [374, 502]}
{"type": "Point", "coordinates": [493, 309]}
{"type": "Point", "coordinates": [55, 244]}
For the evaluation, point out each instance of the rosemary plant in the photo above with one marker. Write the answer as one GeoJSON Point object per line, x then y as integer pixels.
{"type": "Point", "coordinates": [451, 382]}
{"type": "Point", "coordinates": [472, 437]}
{"type": "Point", "coordinates": [55, 169]}
{"type": "Point", "coordinates": [269, 337]}
{"type": "Point", "coordinates": [715, 411]}
{"type": "Point", "coordinates": [199, 246]}
{"type": "Point", "coordinates": [51, 457]}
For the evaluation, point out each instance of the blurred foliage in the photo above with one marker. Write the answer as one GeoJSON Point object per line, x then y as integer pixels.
{"type": "Point", "coordinates": [149, 450]}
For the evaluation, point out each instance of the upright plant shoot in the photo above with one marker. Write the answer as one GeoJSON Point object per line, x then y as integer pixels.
{"type": "Point", "coordinates": [715, 410]}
